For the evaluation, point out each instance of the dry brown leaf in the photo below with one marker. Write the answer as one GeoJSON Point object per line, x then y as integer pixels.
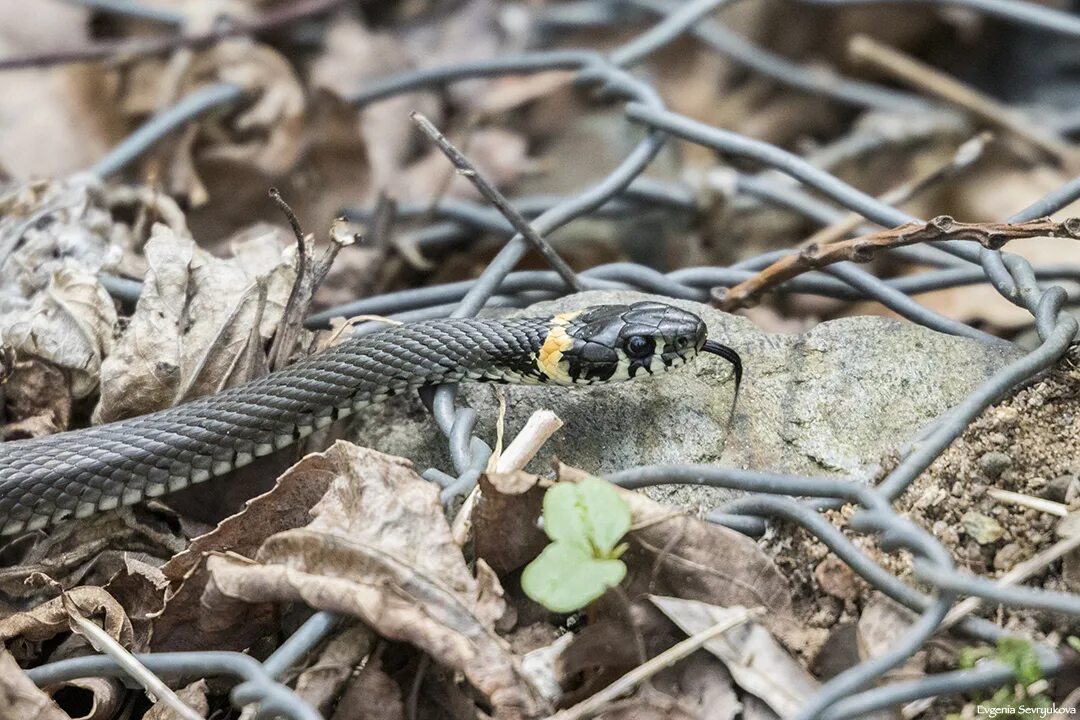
{"type": "Point", "coordinates": [20, 698]}
{"type": "Point", "coordinates": [371, 695]}
{"type": "Point", "coordinates": [267, 135]}
{"type": "Point", "coordinates": [884, 622]}
{"type": "Point", "coordinates": [505, 530]}
{"type": "Point", "coordinates": [37, 398]}
{"type": "Point", "coordinates": [49, 619]}
{"type": "Point", "coordinates": [755, 660]}
{"type": "Point", "coordinates": [194, 696]}
{"type": "Point", "coordinates": [71, 324]}
{"type": "Point", "coordinates": [89, 552]}
{"type": "Point", "coordinates": [192, 322]}
{"type": "Point", "coordinates": [140, 589]}
{"type": "Point", "coordinates": [184, 624]}
{"type": "Point", "coordinates": [380, 549]}
{"type": "Point", "coordinates": [353, 57]}
{"type": "Point", "coordinates": [94, 698]}
{"type": "Point", "coordinates": [322, 682]}
{"type": "Point", "coordinates": [286, 506]}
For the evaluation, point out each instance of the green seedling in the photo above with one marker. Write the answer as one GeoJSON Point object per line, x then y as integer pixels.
{"type": "Point", "coordinates": [585, 522]}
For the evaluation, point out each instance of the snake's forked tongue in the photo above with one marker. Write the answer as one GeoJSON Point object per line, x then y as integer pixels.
{"type": "Point", "coordinates": [728, 354]}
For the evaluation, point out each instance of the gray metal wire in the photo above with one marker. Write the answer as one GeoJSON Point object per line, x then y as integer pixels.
{"type": "Point", "coordinates": [623, 189]}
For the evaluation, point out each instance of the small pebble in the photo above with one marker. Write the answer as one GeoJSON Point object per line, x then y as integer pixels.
{"type": "Point", "coordinates": [1057, 488]}
{"type": "Point", "coordinates": [994, 463]}
{"type": "Point", "coordinates": [1006, 415]}
{"type": "Point", "coordinates": [982, 529]}
{"type": "Point", "coordinates": [1008, 556]}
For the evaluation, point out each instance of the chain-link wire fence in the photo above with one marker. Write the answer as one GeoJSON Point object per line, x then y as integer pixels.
{"type": "Point", "coordinates": [608, 78]}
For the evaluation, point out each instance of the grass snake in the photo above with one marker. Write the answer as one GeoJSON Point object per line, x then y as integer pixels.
{"type": "Point", "coordinates": [78, 473]}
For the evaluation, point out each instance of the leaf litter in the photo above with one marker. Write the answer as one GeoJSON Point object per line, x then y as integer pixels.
{"type": "Point", "coordinates": [430, 624]}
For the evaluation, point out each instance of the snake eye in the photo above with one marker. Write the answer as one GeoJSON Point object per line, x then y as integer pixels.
{"type": "Point", "coordinates": [682, 342]}
{"type": "Point", "coordinates": [639, 346]}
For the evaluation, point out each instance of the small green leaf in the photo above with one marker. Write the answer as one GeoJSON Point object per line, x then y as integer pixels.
{"type": "Point", "coordinates": [564, 577]}
{"type": "Point", "coordinates": [563, 519]}
{"type": "Point", "coordinates": [607, 516]}
{"type": "Point", "coordinates": [1020, 655]}
{"type": "Point", "coordinates": [1074, 642]}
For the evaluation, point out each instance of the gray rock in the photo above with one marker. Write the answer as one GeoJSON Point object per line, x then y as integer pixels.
{"type": "Point", "coordinates": [825, 402]}
{"type": "Point", "coordinates": [994, 463]}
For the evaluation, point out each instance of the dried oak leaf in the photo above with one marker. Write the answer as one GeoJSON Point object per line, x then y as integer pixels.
{"type": "Point", "coordinates": [755, 660]}
{"type": "Point", "coordinates": [380, 548]}
{"type": "Point", "coordinates": [193, 323]}
{"type": "Point", "coordinates": [20, 698]}
{"type": "Point", "coordinates": [29, 629]}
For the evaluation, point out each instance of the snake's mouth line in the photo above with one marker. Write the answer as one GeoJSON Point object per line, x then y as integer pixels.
{"type": "Point", "coordinates": [715, 348]}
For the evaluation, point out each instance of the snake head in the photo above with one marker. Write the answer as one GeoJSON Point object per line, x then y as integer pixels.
{"type": "Point", "coordinates": [607, 343]}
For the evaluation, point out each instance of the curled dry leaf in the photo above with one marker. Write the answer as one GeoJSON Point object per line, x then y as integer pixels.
{"type": "Point", "coordinates": [755, 660]}
{"type": "Point", "coordinates": [267, 134]}
{"type": "Point", "coordinates": [184, 624]}
{"type": "Point", "coordinates": [87, 553]}
{"type": "Point", "coordinates": [20, 698]}
{"type": "Point", "coordinates": [194, 696]}
{"type": "Point", "coordinates": [193, 323]}
{"type": "Point", "coordinates": [322, 682]}
{"type": "Point", "coordinates": [372, 695]}
{"type": "Point", "coordinates": [380, 548]}
{"type": "Point", "coordinates": [505, 529]}
{"type": "Point", "coordinates": [70, 324]}
{"type": "Point", "coordinates": [94, 698]}
{"type": "Point", "coordinates": [140, 589]}
{"type": "Point", "coordinates": [29, 629]}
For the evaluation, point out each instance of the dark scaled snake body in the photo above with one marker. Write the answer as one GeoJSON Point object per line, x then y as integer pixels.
{"type": "Point", "coordinates": [79, 473]}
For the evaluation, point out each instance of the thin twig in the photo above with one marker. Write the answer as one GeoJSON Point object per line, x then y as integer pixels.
{"type": "Point", "coordinates": [128, 50]}
{"type": "Point", "coordinates": [1018, 574]}
{"type": "Point", "coordinates": [309, 276]}
{"type": "Point", "coordinates": [962, 159]}
{"type": "Point", "coordinates": [862, 249]}
{"type": "Point", "coordinates": [465, 168]}
{"type": "Point", "coordinates": [540, 426]}
{"type": "Point", "coordinates": [292, 318]}
{"type": "Point", "coordinates": [103, 642]}
{"type": "Point", "coordinates": [1041, 504]}
{"type": "Point", "coordinates": [635, 677]}
{"type": "Point", "coordinates": [986, 109]}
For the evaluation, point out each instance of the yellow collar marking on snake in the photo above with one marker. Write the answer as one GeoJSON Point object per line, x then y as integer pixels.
{"type": "Point", "coordinates": [550, 358]}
